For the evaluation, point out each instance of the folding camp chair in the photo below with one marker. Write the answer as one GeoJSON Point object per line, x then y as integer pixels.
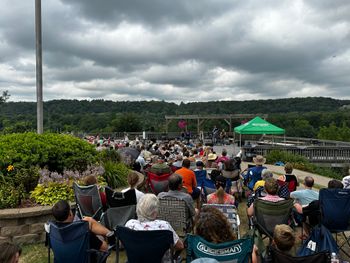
{"type": "Point", "coordinates": [118, 216]}
{"type": "Point", "coordinates": [71, 243]}
{"type": "Point", "coordinates": [276, 256]}
{"type": "Point", "coordinates": [205, 182]}
{"type": "Point", "coordinates": [157, 183]}
{"type": "Point", "coordinates": [230, 211]}
{"type": "Point", "coordinates": [88, 201]}
{"type": "Point", "coordinates": [144, 246]}
{"type": "Point", "coordinates": [269, 214]}
{"type": "Point", "coordinates": [118, 199]}
{"type": "Point", "coordinates": [335, 214]}
{"type": "Point", "coordinates": [239, 250]}
{"type": "Point", "coordinates": [175, 211]}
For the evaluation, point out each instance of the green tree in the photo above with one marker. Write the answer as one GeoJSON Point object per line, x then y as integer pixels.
{"type": "Point", "coordinates": [332, 132]}
{"type": "Point", "coordinates": [5, 96]}
{"type": "Point", "coordinates": [302, 128]}
{"type": "Point", "coordinates": [18, 127]}
{"type": "Point", "coordinates": [328, 133]}
{"type": "Point", "coordinates": [128, 122]}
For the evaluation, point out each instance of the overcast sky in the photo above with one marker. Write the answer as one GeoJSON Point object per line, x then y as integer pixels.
{"type": "Point", "coordinates": [181, 50]}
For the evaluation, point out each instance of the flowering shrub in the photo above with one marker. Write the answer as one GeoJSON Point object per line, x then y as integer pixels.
{"type": "Point", "coordinates": [54, 186]}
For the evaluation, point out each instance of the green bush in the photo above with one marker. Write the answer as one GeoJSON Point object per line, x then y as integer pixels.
{"type": "Point", "coordinates": [10, 196]}
{"type": "Point", "coordinates": [301, 163]}
{"type": "Point", "coordinates": [54, 151]}
{"type": "Point", "coordinates": [283, 156]}
{"type": "Point", "coordinates": [115, 174]}
{"type": "Point", "coordinates": [52, 193]}
{"type": "Point", "coordinates": [109, 155]}
{"type": "Point", "coordinates": [27, 178]}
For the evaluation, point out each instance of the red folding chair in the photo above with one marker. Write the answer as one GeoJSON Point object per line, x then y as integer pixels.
{"type": "Point", "coordinates": [157, 183]}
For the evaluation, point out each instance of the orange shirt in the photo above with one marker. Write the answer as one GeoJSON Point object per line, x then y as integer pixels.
{"type": "Point", "coordinates": [188, 178]}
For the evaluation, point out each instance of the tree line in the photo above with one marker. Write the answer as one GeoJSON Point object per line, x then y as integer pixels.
{"type": "Point", "coordinates": [311, 117]}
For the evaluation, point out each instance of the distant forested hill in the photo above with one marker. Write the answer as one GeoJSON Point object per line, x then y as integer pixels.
{"type": "Point", "coordinates": [213, 107]}
{"type": "Point", "coordinates": [299, 116]}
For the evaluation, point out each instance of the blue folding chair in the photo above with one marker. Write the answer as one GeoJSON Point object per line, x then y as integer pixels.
{"type": "Point", "coordinates": [206, 184]}
{"type": "Point", "coordinates": [71, 244]}
{"type": "Point", "coordinates": [239, 250]}
{"type": "Point", "coordinates": [144, 246]}
{"type": "Point", "coordinates": [335, 214]}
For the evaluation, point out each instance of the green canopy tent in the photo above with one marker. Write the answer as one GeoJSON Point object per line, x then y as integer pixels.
{"type": "Point", "coordinates": [258, 126]}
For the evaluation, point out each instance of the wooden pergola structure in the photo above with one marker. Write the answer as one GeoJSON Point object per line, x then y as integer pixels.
{"type": "Point", "coordinates": [201, 118]}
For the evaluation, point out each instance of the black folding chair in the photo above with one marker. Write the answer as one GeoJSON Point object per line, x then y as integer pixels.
{"type": "Point", "coordinates": [335, 214]}
{"type": "Point", "coordinates": [269, 214]}
{"type": "Point", "coordinates": [88, 201]}
{"type": "Point", "coordinates": [118, 216]}
{"type": "Point", "coordinates": [144, 246]}
{"type": "Point", "coordinates": [276, 256]}
{"type": "Point", "coordinates": [118, 199]}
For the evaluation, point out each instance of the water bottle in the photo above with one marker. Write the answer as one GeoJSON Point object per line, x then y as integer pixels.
{"type": "Point", "coordinates": [334, 258]}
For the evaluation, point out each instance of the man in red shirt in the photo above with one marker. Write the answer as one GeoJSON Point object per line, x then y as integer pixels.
{"type": "Point", "coordinates": [189, 179]}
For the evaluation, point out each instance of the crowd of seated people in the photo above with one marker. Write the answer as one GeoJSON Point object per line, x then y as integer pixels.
{"type": "Point", "coordinates": [184, 162]}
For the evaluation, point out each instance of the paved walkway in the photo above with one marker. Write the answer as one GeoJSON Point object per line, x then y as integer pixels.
{"type": "Point", "coordinates": [278, 170]}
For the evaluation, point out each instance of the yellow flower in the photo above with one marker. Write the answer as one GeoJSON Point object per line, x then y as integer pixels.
{"type": "Point", "coordinates": [10, 168]}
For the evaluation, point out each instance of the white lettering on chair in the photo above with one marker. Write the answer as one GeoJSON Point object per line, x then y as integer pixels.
{"type": "Point", "coordinates": [236, 249]}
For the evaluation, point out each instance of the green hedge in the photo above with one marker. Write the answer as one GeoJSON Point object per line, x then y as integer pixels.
{"type": "Point", "coordinates": [54, 151]}
{"type": "Point", "coordinates": [301, 163]}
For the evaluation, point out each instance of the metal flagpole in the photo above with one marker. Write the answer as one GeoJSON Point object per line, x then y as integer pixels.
{"type": "Point", "coordinates": [39, 68]}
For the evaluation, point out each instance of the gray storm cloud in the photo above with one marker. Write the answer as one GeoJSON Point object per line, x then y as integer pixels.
{"type": "Point", "coordinates": [177, 50]}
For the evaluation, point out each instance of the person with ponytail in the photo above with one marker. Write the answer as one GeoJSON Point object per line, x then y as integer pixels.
{"type": "Point", "coordinates": [220, 196]}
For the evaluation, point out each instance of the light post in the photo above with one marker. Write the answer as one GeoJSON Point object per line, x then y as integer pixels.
{"type": "Point", "coordinates": [39, 68]}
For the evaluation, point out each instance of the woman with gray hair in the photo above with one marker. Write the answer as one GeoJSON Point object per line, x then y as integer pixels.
{"type": "Point", "coordinates": [147, 210]}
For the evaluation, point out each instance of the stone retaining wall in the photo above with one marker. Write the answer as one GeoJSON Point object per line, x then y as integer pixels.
{"type": "Point", "coordinates": [24, 225]}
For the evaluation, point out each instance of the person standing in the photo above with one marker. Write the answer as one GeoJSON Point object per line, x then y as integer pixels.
{"type": "Point", "coordinates": [215, 134]}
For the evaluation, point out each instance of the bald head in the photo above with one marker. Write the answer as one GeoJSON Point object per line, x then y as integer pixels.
{"type": "Point", "coordinates": [309, 181]}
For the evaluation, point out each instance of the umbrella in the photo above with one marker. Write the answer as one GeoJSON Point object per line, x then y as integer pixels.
{"type": "Point", "coordinates": [128, 154]}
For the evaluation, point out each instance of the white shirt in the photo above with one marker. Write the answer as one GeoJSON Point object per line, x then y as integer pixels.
{"type": "Point", "coordinates": [152, 225]}
{"type": "Point", "coordinates": [346, 182]}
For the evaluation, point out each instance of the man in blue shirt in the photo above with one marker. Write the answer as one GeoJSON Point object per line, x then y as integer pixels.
{"type": "Point", "coordinates": [254, 174]}
{"type": "Point", "coordinates": [305, 196]}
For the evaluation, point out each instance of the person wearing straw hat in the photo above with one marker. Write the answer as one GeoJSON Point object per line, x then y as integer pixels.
{"type": "Point", "coordinates": [254, 174]}
{"type": "Point", "coordinates": [135, 179]}
{"type": "Point", "coordinates": [211, 158]}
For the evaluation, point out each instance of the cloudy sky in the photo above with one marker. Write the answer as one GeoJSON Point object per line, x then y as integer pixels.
{"type": "Point", "coordinates": [181, 50]}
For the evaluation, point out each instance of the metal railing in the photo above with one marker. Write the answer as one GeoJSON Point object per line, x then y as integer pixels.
{"type": "Point", "coordinates": [315, 154]}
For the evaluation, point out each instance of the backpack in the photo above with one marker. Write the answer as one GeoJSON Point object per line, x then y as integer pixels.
{"type": "Point", "coordinates": [320, 239]}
